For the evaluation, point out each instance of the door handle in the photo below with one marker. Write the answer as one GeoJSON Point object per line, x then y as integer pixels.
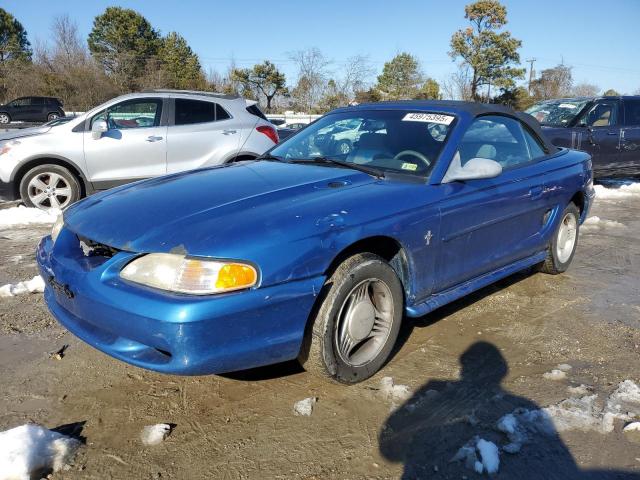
{"type": "Point", "coordinates": [535, 192]}
{"type": "Point", "coordinates": [229, 132]}
{"type": "Point", "coordinates": [613, 133]}
{"type": "Point", "coordinates": [153, 138]}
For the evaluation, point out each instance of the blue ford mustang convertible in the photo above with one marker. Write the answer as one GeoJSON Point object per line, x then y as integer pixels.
{"type": "Point", "coordinates": [314, 251]}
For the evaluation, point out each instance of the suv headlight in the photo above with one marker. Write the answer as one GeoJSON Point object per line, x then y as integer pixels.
{"type": "Point", "coordinates": [177, 273]}
{"type": "Point", "coordinates": [57, 226]}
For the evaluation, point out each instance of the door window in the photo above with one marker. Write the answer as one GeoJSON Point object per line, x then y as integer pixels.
{"type": "Point", "coordinates": [497, 138]}
{"type": "Point", "coordinates": [21, 102]}
{"type": "Point", "coordinates": [131, 114]}
{"type": "Point", "coordinates": [632, 113]}
{"type": "Point", "coordinates": [194, 111]}
{"type": "Point", "coordinates": [602, 114]}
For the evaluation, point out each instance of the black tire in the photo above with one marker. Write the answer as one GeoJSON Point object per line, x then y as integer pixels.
{"type": "Point", "coordinates": [52, 116]}
{"type": "Point", "coordinates": [5, 118]}
{"type": "Point", "coordinates": [553, 264]}
{"type": "Point", "coordinates": [43, 170]}
{"type": "Point", "coordinates": [319, 354]}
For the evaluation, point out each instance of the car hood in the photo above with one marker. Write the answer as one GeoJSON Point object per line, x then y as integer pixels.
{"type": "Point", "coordinates": [195, 211]}
{"type": "Point", "coordinates": [23, 132]}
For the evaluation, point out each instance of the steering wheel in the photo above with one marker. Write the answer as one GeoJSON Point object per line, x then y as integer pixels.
{"type": "Point", "coordinates": [413, 153]}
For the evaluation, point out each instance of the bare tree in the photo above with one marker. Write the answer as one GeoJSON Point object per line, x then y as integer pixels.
{"type": "Point", "coordinates": [553, 83]}
{"type": "Point", "coordinates": [313, 72]}
{"type": "Point", "coordinates": [458, 85]}
{"type": "Point", "coordinates": [585, 90]}
{"type": "Point", "coordinates": [357, 70]}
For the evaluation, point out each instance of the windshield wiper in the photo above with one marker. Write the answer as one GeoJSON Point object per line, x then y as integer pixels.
{"type": "Point", "coordinates": [374, 172]}
{"type": "Point", "coordinates": [270, 157]}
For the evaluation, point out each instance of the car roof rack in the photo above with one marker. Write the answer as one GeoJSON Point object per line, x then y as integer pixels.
{"type": "Point", "coordinates": [193, 92]}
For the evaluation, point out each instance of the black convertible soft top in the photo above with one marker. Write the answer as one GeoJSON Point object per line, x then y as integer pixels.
{"type": "Point", "coordinates": [472, 108]}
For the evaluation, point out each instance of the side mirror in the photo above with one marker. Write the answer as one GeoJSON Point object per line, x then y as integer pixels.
{"type": "Point", "coordinates": [474, 169]}
{"type": "Point", "coordinates": [98, 128]}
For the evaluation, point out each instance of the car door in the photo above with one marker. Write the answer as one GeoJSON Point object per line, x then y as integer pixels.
{"type": "Point", "coordinates": [200, 133]}
{"type": "Point", "coordinates": [133, 147]}
{"type": "Point", "coordinates": [489, 223]}
{"type": "Point", "coordinates": [598, 133]}
{"type": "Point", "coordinates": [629, 162]}
{"type": "Point", "coordinates": [20, 109]}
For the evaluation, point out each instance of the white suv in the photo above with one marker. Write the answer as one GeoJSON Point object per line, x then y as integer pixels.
{"type": "Point", "coordinates": [131, 137]}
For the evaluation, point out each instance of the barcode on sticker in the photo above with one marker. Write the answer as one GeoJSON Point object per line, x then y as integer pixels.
{"type": "Point", "coordinates": [428, 117]}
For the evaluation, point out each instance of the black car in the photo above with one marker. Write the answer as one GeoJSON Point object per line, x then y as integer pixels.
{"type": "Point", "coordinates": [31, 109]}
{"type": "Point", "coordinates": [606, 127]}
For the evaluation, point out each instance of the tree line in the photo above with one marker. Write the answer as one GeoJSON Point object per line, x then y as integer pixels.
{"type": "Point", "coordinates": [125, 53]}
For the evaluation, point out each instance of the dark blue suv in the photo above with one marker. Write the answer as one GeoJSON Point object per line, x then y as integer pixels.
{"type": "Point", "coordinates": [31, 109]}
{"type": "Point", "coordinates": [608, 128]}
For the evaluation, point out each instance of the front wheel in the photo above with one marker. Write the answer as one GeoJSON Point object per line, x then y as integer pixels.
{"type": "Point", "coordinates": [4, 118]}
{"type": "Point", "coordinates": [49, 187]}
{"type": "Point", "coordinates": [563, 245]}
{"type": "Point", "coordinates": [357, 322]}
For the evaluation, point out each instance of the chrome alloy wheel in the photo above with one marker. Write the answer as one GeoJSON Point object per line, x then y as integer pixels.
{"type": "Point", "coordinates": [567, 234]}
{"type": "Point", "coordinates": [364, 322]}
{"type": "Point", "coordinates": [4, 118]}
{"type": "Point", "coordinates": [49, 190]}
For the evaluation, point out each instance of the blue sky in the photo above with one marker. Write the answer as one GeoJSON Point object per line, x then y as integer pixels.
{"type": "Point", "coordinates": [597, 38]}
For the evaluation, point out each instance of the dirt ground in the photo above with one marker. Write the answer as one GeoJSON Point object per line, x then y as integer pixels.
{"type": "Point", "coordinates": [466, 365]}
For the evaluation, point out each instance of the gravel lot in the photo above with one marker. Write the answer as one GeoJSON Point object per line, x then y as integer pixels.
{"type": "Point", "coordinates": [465, 365]}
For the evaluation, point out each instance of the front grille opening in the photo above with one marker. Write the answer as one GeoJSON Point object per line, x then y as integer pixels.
{"type": "Point", "coordinates": [95, 249]}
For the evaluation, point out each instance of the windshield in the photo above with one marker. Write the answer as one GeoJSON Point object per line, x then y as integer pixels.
{"type": "Point", "coordinates": [556, 113]}
{"type": "Point", "coordinates": [400, 141]}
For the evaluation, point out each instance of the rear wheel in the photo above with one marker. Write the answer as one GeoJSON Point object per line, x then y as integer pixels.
{"type": "Point", "coordinates": [357, 322]}
{"type": "Point", "coordinates": [49, 187]}
{"type": "Point", "coordinates": [52, 116]}
{"type": "Point", "coordinates": [4, 118]}
{"type": "Point", "coordinates": [564, 242]}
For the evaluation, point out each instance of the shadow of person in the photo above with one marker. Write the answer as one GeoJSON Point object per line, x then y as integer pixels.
{"type": "Point", "coordinates": [428, 430]}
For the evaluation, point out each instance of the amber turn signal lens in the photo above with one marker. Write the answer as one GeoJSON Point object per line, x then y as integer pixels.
{"type": "Point", "coordinates": [234, 275]}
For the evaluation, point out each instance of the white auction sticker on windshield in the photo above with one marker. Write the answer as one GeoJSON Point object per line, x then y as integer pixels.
{"type": "Point", "coordinates": [428, 117]}
{"type": "Point", "coordinates": [567, 105]}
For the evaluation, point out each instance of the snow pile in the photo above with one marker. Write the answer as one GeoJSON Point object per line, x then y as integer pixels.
{"type": "Point", "coordinates": [392, 391]}
{"type": "Point", "coordinates": [31, 449]}
{"type": "Point", "coordinates": [35, 285]}
{"type": "Point", "coordinates": [624, 191]}
{"type": "Point", "coordinates": [304, 407]}
{"type": "Point", "coordinates": [572, 414]}
{"type": "Point", "coordinates": [21, 215]}
{"type": "Point", "coordinates": [596, 224]}
{"type": "Point", "coordinates": [155, 434]}
{"type": "Point", "coordinates": [555, 374]}
{"type": "Point", "coordinates": [480, 455]}
{"type": "Point", "coordinates": [632, 427]}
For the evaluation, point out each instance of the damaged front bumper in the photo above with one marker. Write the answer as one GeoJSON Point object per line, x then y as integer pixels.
{"type": "Point", "coordinates": [171, 333]}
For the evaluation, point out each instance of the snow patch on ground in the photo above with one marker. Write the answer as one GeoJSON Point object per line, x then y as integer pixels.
{"type": "Point", "coordinates": [578, 391]}
{"type": "Point", "coordinates": [392, 391]}
{"type": "Point", "coordinates": [20, 215]}
{"type": "Point", "coordinates": [155, 434]}
{"type": "Point", "coordinates": [304, 407]}
{"type": "Point", "coordinates": [597, 224]}
{"type": "Point", "coordinates": [31, 449]}
{"type": "Point", "coordinates": [582, 413]}
{"type": "Point", "coordinates": [555, 374]}
{"type": "Point", "coordinates": [632, 427]}
{"type": "Point", "coordinates": [479, 455]}
{"type": "Point", "coordinates": [624, 191]}
{"type": "Point", "coordinates": [35, 285]}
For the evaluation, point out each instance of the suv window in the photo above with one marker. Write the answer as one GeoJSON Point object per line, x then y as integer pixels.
{"type": "Point", "coordinates": [221, 113]}
{"type": "Point", "coordinates": [37, 101]}
{"type": "Point", "coordinates": [21, 102]}
{"type": "Point", "coordinates": [497, 138]}
{"type": "Point", "coordinates": [194, 111]}
{"type": "Point", "coordinates": [602, 114]}
{"type": "Point", "coordinates": [632, 112]}
{"type": "Point", "coordinates": [132, 114]}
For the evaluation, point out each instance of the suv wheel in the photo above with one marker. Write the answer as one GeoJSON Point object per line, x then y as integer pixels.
{"type": "Point", "coordinates": [52, 116]}
{"type": "Point", "coordinates": [4, 118]}
{"type": "Point", "coordinates": [357, 322]}
{"type": "Point", "coordinates": [49, 186]}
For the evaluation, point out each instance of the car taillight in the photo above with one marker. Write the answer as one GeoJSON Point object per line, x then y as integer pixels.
{"type": "Point", "coordinates": [269, 132]}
